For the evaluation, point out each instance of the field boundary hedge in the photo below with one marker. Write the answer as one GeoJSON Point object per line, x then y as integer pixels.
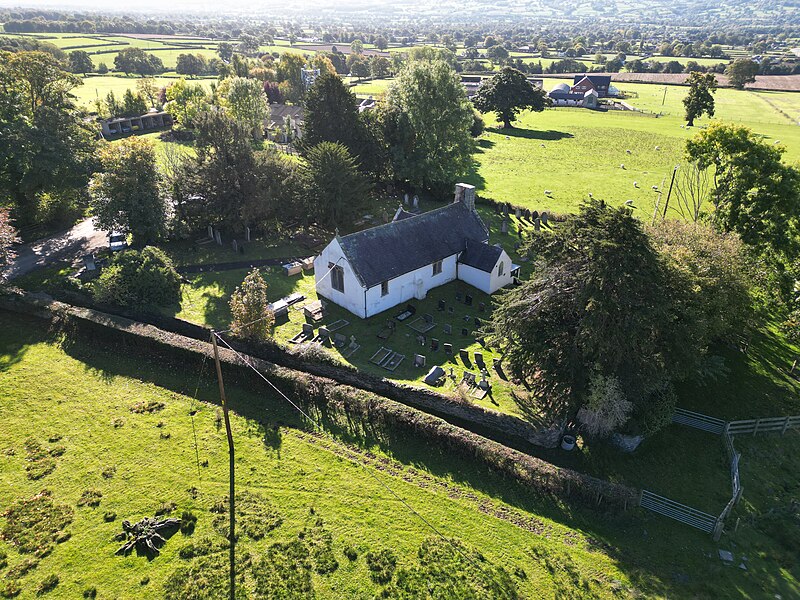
{"type": "Point", "coordinates": [507, 429]}
{"type": "Point", "coordinates": [322, 395]}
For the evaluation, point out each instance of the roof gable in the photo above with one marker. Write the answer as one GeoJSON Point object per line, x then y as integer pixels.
{"type": "Point", "coordinates": [481, 256]}
{"type": "Point", "coordinates": [388, 251]}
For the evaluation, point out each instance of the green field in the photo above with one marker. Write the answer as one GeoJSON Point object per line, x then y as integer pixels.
{"type": "Point", "coordinates": [98, 86]}
{"type": "Point", "coordinates": [573, 152]}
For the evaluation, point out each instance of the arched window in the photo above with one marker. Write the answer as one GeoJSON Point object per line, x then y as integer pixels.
{"type": "Point", "coordinates": [501, 268]}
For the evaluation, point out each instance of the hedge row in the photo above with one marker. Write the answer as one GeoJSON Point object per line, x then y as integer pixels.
{"type": "Point", "coordinates": [336, 401]}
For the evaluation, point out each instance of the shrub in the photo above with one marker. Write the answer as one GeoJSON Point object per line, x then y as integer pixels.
{"type": "Point", "coordinates": [252, 318]}
{"type": "Point", "coordinates": [606, 407]}
{"type": "Point", "coordinates": [351, 553]}
{"type": "Point", "coordinates": [381, 565]}
{"type": "Point", "coordinates": [145, 278]}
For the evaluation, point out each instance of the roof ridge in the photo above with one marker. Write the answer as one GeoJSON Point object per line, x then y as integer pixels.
{"type": "Point", "coordinates": [407, 220]}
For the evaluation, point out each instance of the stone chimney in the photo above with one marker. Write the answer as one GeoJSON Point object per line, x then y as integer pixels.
{"type": "Point", "coordinates": [465, 193]}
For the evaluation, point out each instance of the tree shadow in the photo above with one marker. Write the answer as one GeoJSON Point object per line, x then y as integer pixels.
{"type": "Point", "coordinates": [532, 134]}
{"type": "Point", "coordinates": [18, 333]}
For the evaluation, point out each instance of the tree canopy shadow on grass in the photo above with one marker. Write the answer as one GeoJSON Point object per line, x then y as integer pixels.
{"type": "Point", "coordinates": [531, 134]}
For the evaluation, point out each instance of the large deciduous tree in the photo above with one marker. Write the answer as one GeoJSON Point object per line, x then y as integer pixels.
{"type": "Point", "coordinates": [755, 194]}
{"type": "Point", "coordinates": [80, 62]}
{"type": "Point", "coordinates": [333, 187]}
{"type": "Point", "coordinates": [185, 101]}
{"type": "Point", "coordinates": [137, 61]}
{"type": "Point", "coordinates": [507, 93]}
{"type": "Point", "coordinates": [428, 119]}
{"type": "Point", "coordinates": [741, 72]}
{"type": "Point", "coordinates": [700, 99]}
{"type": "Point", "coordinates": [244, 100]}
{"type": "Point", "coordinates": [46, 146]}
{"type": "Point", "coordinates": [125, 194]}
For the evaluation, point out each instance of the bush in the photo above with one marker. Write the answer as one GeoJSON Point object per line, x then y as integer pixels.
{"type": "Point", "coordinates": [351, 553]}
{"type": "Point", "coordinates": [381, 565]}
{"type": "Point", "coordinates": [145, 278]}
{"type": "Point", "coordinates": [478, 125]}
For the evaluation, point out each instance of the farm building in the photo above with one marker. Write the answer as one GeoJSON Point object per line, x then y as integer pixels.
{"type": "Point", "coordinates": [147, 122]}
{"type": "Point", "coordinates": [376, 269]}
{"type": "Point", "coordinates": [583, 93]}
{"type": "Point", "coordinates": [599, 83]}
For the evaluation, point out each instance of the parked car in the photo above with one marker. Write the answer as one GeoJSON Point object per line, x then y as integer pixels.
{"type": "Point", "coordinates": [117, 241]}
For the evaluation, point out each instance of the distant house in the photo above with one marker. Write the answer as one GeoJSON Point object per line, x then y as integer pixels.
{"type": "Point", "coordinates": [149, 121]}
{"type": "Point", "coordinates": [599, 83]}
{"type": "Point", "coordinates": [585, 91]}
{"type": "Point", "coordinates": [374, 270]}
{"type": "Point", "coordinates": [285, 122]}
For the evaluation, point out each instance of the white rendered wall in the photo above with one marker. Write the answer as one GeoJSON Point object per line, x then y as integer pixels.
{"type": "Point", "coordinates": [353, 297]}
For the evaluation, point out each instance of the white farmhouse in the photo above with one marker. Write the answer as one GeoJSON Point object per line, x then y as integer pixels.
{"type": "Point", "coordinates": [376, 269]}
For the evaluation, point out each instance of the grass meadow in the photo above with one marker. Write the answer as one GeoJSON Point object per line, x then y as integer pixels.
{"type": "Point", "coordinates": [142, 434]}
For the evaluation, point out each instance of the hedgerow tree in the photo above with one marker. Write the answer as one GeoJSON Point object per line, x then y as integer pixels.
{"type": "Point", "coordinates": [700, 99]}
{"type": "Point", "coordinates": [755, 194]}
{"type": "Point", "coordinates": [125, 194]}
{"type": "Point", "coordinates": [611, 318]}
{"type": "Point", "coordinates": [427, 120]}
{"type": "Point", "coordinates": [741, 72]}
{"type": "Point", "coordinates": [139, 278]}
{"type": "Point", "coordinates": [506, 94]}
{"type": "Point", "coordinates": [251, 316]}
{"type": "Point", "coordinates": [137, 61]}
{"type": "Point", "coordinates": [80, 62]}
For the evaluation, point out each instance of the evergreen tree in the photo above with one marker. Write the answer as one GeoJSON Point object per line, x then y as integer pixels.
{"type": "Point", "coordinates": [252, 317]}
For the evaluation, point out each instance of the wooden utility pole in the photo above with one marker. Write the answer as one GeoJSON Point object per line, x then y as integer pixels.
{"type": "Point", "coordinates": [669, 193]}
{"type": "Point", "coordinates": [232, 513]}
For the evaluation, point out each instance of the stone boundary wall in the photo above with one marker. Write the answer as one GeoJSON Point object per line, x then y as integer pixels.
{"type": "Point", "coordinates": [319, 394]}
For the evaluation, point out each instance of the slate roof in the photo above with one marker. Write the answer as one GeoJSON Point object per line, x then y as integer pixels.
{"type": "Point", "coordinates": [388, 251]}
{"type": "Point", "coordinates": [481, 256]}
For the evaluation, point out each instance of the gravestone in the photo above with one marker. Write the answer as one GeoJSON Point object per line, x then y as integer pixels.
{"type": "Point", "coordinates": [219, 237]}
{"type": "Point", "coordinates": [497, 209]}
{"type": "Point", "coordinates": [468, 300]}
{"type": "Point", "coordinates": [308, 330]}
{"type": "Point", "coordinates": [458, 296]}
{"type": "Point", "coordinates": [448, 349]}
{"type": "Point", "coordinates": [528, 214]}
{"type": "Point", "coordinates": [504, 226]}
{"type": "Point", "coordinates": [442, 305]}
{"type": "Point", "coordinates": [210, 232]}
{"type": "Point", "coordinates": [385, 216]}
{"type": "Point", "coordinates": [544, 217]}
{"type": "Point", "coordinates": [482, 307]}
{"type": "Point", "coordinates": [447, 329]}
{"type": "Point", "coordinates": [518, 212]}
{"type": "Point", "coordinates": [537, 226]}
{"type": "Point", "coordinates": [247, 233]}
{"type": "Point", "coordinates": [415, 201]}
{"type": "Point", "coordinates": [405, 199]}
{"type": "Point", "coordinates": [535, 215]}
{"type": "Point", "coordinates": [324, 333]}
{"type": "Point", "coordinates": [464, 354]}
{"type": "Point", "coordinates": [235, 246]}
{"type": "Point", "coordinates": [419, 360]}
{"type": "Point", "coordinates": [434, 344]}
{"type": "Point", "coordinates": [464, 331]}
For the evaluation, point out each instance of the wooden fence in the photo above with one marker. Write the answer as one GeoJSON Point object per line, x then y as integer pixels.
{"type": "Point", "coordinates": [769, 425]}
